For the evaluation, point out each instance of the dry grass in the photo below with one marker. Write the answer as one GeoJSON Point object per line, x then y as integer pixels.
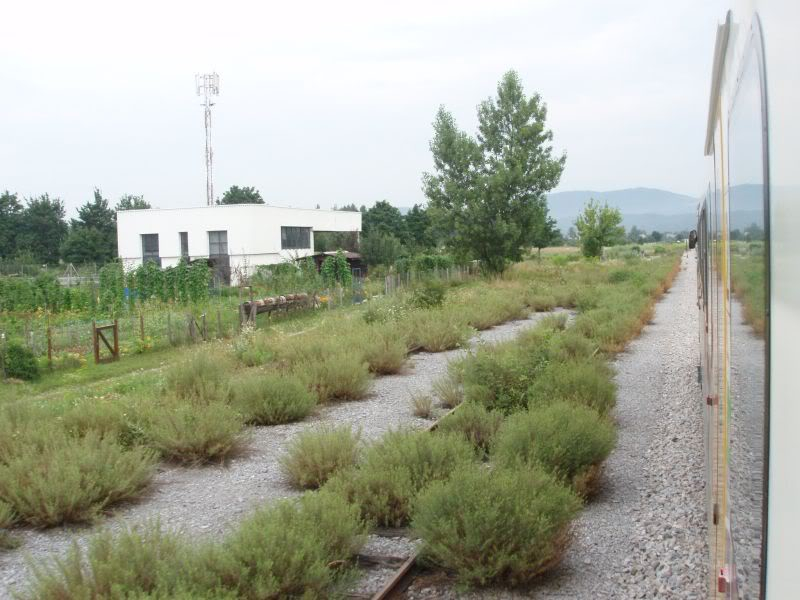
{"type": "Point", "coordinates": [422, 405]}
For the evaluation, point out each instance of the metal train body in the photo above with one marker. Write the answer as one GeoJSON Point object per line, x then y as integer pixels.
{"type": "Point", "coordinates": [748, 253]}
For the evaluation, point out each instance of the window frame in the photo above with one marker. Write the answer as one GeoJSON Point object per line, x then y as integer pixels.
{"type": "Point", "coordinates": [217, 243]}
{"type": "Point", "coordinates": [295, 237]}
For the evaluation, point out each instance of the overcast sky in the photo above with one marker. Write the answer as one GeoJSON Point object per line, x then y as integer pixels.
{"type": "Point", "coordinates": [332, 102]}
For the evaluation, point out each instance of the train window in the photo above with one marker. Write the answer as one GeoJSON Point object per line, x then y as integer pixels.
{"type": "Point", "coordinates": [749, 402]}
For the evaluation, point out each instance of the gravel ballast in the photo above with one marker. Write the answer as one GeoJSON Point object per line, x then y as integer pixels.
{"type": "Point", "coordinates": [208, 501]}
{"type": "Point", "coordinates": [644, 534]}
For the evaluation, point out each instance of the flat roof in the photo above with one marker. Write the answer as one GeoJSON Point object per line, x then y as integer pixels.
{"type": "Point", "coordinates": [246, 204]}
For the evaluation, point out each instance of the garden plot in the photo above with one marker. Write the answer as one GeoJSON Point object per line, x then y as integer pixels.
{"type": "Point", "coordinates": [208, 500]}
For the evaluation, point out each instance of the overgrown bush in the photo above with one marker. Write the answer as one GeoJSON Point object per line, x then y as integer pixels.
{"type": "Point", "coordinates": [6, 521]}
{"type": "Point", "coordinates": [340, 376]}
{"type": "Point", "coordinates": [586, 381]}
{"type": "Point", "coordinates": [271, 398]}
{"type": "Point", "coordinates": [499, 377]}
{"type": "Point", "coordinates": [476, 424]}
{"type": "Point", "coordinates": [429, 293]}
{"type": "Point", "coordinates": [20, 363]}
{"type": "Point", "coordinates": [315, 455]}
{"type": "Point", "coordinates": [449, 391]}
{"type": "Point", "coordinates": [204, 376]}
{"type": "Point", "coordinates": [394, 470]}
{"type": "Point", "coordinates": [288, 550]}
{"type": "Point", "coordinates": [53, 478]}
{"type": "Point", "coordinates": [565, 439]}
{"type": "Point", "coordinates": [193, 432]}
{"type": "Point", "coordinates": [494, 525]}
{"type": "Point", "coordinates": [384, 348]}
{"type": "Point", "coordinates": [436, 330]}
{"type": "Point", "coordinates": [139, 562]}
{"type": "Point", "coordinates": [422, 405]}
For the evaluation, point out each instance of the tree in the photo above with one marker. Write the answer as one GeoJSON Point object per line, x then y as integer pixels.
{"type": "Point", "coordinates": [545, 233]}
{"type": "Point", "coordinates": [243, 195]}
{"type": "Point", "coordinates": [383, 218]}
{"type": "Point", "coordinates": [656, 236]}
{"type": "Point", "coordinates": [487, 195]}
{"type": "Point", "coordinates": [349, 207]}
{"type": "Point", "coordinates": [93, 235]}
{"type": "Point", "coordinates": [380, 248]}
{"type": "Point", "coordinates": [130, 202]}
{"type": "Point", "coordinates": [42, 229]}
{"type": "Point", "coordinates": [599, 226]}
{"type": "Point", "coordinates": [635, 235]}
{"type": "Point", "coordinates": [418, 228]}
{"type": "Point", "coordinates": [571, 239]}
{"type": "Point", "coordinates": [10, 222]}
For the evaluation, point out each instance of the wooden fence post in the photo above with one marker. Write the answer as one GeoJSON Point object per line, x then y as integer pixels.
{"type": "Point", "coordinates": [95, 345]}
{"type": "Point", "coordinates": [191, 328]}
{"type": "Point", "coordinates": [219, 323]}
{"type": "Point", "coordinates": [169, 327]}
{"type": "Point", "coordinates": [204, 330]}
{"type": "Point", "coordinates": [141, 325]}
{"type": "Point", "coordinates": [116, 340]}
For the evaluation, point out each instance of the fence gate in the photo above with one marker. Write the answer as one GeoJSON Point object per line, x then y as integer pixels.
{"type": "Point", "coordinates": [98, 334]}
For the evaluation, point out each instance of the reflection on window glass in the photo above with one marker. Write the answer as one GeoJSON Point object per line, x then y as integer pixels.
{"type": "Point", "coordinates": [748, 324]}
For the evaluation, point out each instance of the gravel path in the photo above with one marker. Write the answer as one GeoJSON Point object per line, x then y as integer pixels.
{"type": "Point", "coordinates": [210, 500]}
{"type": "Point", "coordinates": [644, 535]}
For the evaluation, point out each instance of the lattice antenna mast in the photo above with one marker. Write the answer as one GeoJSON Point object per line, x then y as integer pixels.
{"type": "Point", "coordinates": [207, 87]}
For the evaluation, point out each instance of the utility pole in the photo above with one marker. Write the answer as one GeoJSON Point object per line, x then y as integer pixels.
{"type": "Point", "coordinates": [207, 86]}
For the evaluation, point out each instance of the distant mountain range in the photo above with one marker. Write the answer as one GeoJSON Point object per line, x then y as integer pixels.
{"type": "Point", "coordinates": [652, 209]}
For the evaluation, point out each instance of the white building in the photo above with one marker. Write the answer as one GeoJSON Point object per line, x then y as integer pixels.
{"type": "Point", "coordinates": [234, 236]}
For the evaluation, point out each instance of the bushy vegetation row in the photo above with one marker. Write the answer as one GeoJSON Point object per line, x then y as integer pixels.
{"type": "Point", "coordinates": [543, 430]}
{"type": "Point", "coordinates": [748, 277]}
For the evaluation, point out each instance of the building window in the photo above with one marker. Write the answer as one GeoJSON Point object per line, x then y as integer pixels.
{"type": "Point", "coordinates": [150, 248]}
{"type": "Point", "coordinates": [217, 243]}
{"type": "Point", "coordinates": [184, 244]}
{"type": "Point", "coordinates": [295, 238]}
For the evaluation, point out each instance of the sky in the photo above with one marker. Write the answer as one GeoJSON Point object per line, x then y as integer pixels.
{"type": "Point", "coordinates": [331, 103]}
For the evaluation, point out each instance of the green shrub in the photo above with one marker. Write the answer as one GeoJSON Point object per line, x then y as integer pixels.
{"type": "Point", "coordinates": [314, 456]}
{"type": "Point", "coordinates": [251, 348]}
{"type": "Point", "coordinates": [586, 381]}
{"type": "Point", "coordinates": [565, 439]}
{"type": "Point", "coordinates": [288, 549]}
{"type": "Point", "coordinates": [55, 478]}
{"type": "Point", "coordinates": [422, 405]}
{"type": "Point", "coordinates": [271, 398]}
{"type": "Point", "coordinates": [472, 421]}
{"type": "Point", "coordinates": [205, 376]}
{"type": "Point", "coordinates": [384, 348]}
{"type": "Point", "coordinates": [494, 525]}
{"type": "Point", "coordinates": [393, 471]}
{"type": "Point", "coordinates": [571, 345]}
{"type": "Point", "coordinates": [499, 376]}
{"type": "Point", "coordinates": [7, 519]}
{"type": "Point", "coordinates": [437, 330]}
{"type": "Point", "coordinates": [136, 563]}
{"type": "Point", "coordinates": [193, 432]}
{"type": "Point", "coordinates": [493, 308]}
{"type": "Point", "coordinates": [428, 294]}
{"type": "Point", "coordinates": [449, 391]}
{"type": "Point", "coordinates": [340, 376]}
{"type": "Point", "coordinates": [542, 302]}
{"type": "Point", "coordinates": [20, 363]}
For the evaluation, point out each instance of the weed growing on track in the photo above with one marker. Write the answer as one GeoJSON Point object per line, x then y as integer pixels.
{"type": "Point", "coordinates": [448, 389]}
{"type": "Point", "coordinates": [474, 423]}
{"type": "Point", "coordinates": [341, 376]}
{"type": "Point", "coordinates": [193, 433]}
{"type": "Point", "coordinates": [53, 478]}
{"type": "Point", "coordinates": [271, 398]}
{"type": "Point", "coordinates": [564, 439]}
{"type": "Point", "coordinates": [587, 382]}
{"type": "Point", "coordinates": [437, 330]}
{"type": "Point", "coordinates": [522, 515]}
{"type": "Point", "coordinates": [286, 550]}
{"type": "Point", "coordinates": [7, 518]}
{"type": "Point", "coordinates": [316, 455]}
{"type": "Point", "coordinates": [384, 347]}
{"type": "Point", "coordinates": [422, 405]}
{"type": "Point", "coordinates": [394, 470]}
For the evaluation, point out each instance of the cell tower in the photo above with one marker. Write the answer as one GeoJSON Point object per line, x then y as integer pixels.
{"type": "Point", "coordinates": [208, 86]}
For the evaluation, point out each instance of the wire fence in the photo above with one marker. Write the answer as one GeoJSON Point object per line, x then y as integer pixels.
{"type": "Point", "coordinates": [140, 328]}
